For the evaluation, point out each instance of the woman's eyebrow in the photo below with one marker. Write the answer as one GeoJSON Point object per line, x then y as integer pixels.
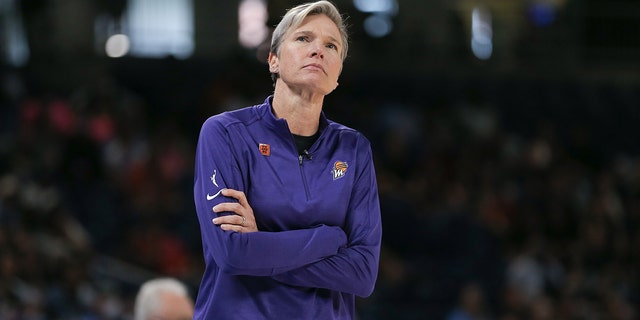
{"type": "Point", "coordinates": [307, 33]}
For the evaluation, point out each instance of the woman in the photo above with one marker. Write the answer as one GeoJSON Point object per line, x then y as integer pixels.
{"type": "Point", "coordinates": [286, 199]}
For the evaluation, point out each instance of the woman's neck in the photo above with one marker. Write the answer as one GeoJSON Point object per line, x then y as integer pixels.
{"type": "Point", "coordinates": [302, 112]}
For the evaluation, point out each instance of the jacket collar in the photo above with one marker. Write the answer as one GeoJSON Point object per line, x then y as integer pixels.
{"type": "Point", "coordinates": [265, 110]}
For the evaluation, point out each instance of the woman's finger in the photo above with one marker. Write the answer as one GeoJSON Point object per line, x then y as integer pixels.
{"type": "Point", "coordinates": [233, 219]}
{"type": "Point", "coordinates": [238, 195]}
{"type": "Point", "coordinates": [228, 206]}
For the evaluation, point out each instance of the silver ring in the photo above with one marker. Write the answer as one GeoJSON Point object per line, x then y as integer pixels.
{"type": "Point", "coordinates": [243, 221]}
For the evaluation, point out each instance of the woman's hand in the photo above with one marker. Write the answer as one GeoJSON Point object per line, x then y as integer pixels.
{"type": "Point", "coordinates": [243, 219]}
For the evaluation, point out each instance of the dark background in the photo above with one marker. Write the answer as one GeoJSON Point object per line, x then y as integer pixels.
{"type": "Point", "coordinates": [509, 186]}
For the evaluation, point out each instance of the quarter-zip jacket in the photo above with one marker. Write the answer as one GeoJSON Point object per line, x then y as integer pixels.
{"type": "Point", "coordinates": [318, 215]}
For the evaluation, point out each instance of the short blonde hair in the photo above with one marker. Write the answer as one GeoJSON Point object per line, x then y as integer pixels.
{"type": "Point", "coordinates": [294, 17]}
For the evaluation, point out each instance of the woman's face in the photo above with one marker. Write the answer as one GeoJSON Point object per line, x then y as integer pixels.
{"type": "Point", "coordinates": [309, 57]}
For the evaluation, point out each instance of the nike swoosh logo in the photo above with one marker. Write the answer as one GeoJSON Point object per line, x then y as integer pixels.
{"type": "Point", "coordinates": [209, 197]}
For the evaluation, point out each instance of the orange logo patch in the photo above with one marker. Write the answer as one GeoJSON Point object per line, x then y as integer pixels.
{"type": "Point", "coordinates": [339, 169]}
{"type": "Point", "coordinates": [265, 149]}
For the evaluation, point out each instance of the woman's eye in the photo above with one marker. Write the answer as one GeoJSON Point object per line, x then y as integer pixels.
{"type": "Point", "coordinates": [332, 46]}
{"type": "Point", "coordinates": [301, 38]}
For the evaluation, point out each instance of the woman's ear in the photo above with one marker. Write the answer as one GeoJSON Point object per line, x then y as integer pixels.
{"type": "Point", "coordinates": [273, 63]}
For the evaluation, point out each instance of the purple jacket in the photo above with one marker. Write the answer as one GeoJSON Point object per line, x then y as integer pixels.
{"type": "Point", "coordinates": [319, 219]}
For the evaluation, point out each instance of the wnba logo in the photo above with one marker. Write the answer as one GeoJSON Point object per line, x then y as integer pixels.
{"type": "Point", "coordinates": [339, 169]}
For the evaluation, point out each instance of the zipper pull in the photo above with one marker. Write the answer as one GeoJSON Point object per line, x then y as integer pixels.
{"type": "Point", "coordinates": [304, 155]}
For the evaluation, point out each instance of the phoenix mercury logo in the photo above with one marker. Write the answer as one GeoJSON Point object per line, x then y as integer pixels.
{"type": "Point", "coordinates": [339, 169]}
{"type": "Point", "coordinates": [213, 180]}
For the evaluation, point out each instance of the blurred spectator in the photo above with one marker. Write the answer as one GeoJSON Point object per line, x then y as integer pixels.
{"type": "Point", "coordinates": [471, 305]}
{"type": "Point", "coordinates": [163, 298]}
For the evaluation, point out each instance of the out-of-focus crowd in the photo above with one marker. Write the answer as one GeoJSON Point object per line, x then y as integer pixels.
{"type": "Point", "coordinates": [508, 199]}
{"type": "Point", "coordinates": [501, 199]}
{"type": "Point", "coordinates": [93, 201]}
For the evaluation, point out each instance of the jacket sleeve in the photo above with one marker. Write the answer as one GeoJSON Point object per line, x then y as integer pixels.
{"type": "Point", "coordinates": [354, 268]}
{"type": "Point", "coordinates": [255, 253]}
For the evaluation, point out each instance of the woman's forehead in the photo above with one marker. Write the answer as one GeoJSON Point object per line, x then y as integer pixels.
{"type": "Point", "coordinates": [310, 24]}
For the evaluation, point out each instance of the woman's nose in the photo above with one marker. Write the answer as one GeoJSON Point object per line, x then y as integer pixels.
{"type": "Point", "coordinates": [317, 49]}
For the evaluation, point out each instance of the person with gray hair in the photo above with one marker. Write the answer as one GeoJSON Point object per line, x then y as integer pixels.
{"type": "Point", "coordinates": [294, 18]}
{"type": "Point", "coordinates": [163, 299]}
{"type": "Point", "coordinates": [287, 200]}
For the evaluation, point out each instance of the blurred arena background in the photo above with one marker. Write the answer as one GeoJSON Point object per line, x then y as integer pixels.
{"type": "Point", "coordinates": [505, 132]}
